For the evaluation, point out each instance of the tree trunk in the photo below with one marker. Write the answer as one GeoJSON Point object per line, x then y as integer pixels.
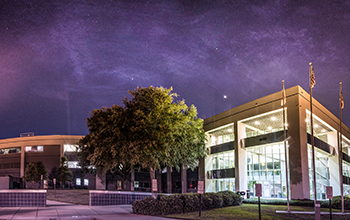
{"type": "Point", "coordinates": [152, 176]}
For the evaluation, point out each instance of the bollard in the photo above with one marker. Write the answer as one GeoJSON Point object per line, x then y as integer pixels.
{"type": "Point", "coordinates": [317, 210]}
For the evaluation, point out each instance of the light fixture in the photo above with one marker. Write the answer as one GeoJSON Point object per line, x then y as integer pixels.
{"type": "Point", "coordinates": [229, 130]}
{"type": "Point", "coordinates": [257, 123]}
{"type": "Point", "coordinates": [273, 118]}
{"type": "Point", "coordinates": [323, 130]}
{"type": "Point", "coordinates": [269, 128]}
{"type": "Point", "coordinates": [315, 126]}
{"type": "Point", "coordinates": [285, 124]}
{"type": "Point", "coordinates": [307, 120]}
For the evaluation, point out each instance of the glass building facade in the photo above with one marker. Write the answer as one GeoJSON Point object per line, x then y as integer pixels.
{"type": "Point", "coordinates": [254, 149]}
{"type": "Point", "coordinates": [266, 165]}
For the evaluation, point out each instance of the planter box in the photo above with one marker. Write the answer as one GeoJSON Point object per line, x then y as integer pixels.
{"type": "Point", "coordinates": [23, 198]}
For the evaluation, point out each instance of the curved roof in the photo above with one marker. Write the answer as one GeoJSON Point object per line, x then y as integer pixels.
{"type": "Point", "coordinates": [40, 140]}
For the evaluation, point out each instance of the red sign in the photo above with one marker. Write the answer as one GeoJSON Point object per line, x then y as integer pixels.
{"type": "Point", "coordinates": [329, 191]}
{"type": "Point", "coordinates": [258, 190]}
{"type": "Point", "coordinates": [200, 187]}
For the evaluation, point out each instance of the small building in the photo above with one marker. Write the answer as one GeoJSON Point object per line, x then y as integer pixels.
{"type": "Point", "coordinates": [246, 146]}
{"type": "Point", "coordinates": [17, 153]}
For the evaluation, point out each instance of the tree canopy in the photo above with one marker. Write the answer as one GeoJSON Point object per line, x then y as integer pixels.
{"type": "Point", "coordinates": [151, 130]}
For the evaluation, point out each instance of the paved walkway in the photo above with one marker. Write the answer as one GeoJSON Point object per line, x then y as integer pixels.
{"type": "Point", "coordinates": [59, 210]}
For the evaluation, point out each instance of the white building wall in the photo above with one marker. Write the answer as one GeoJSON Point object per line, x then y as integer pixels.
{"type": "Point", "coordinates": [334, 163]}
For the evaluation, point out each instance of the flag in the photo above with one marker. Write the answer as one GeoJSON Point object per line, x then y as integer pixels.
{"type": "Point", "coordinates": [284, 98]}
{"type": "Point", "coordinates": [312, 76]}
{"type": "Point", "coordinates": [341, 98]}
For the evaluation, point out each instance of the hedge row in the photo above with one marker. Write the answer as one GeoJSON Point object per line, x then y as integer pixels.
{"type": "Point", "coordinates": [336, 202]}
{"type": "Point", "coordinates": [181, 203]}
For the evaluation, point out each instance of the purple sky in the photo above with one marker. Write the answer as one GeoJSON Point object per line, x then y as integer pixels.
{"type": "Point", "coordinates": [59, 60]}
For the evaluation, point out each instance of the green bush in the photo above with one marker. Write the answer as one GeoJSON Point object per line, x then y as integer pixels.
{"type": "Point", "coordinates": [336, 202]}
{"type": "Point", "coordinates": [188, 202]}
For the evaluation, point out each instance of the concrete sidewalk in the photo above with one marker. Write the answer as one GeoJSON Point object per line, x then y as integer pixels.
{"type": "Point", "coordinates": [59, 210]}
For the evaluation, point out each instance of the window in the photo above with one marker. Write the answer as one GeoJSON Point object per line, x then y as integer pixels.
{"type": "Point", "coordinates": [70, 148]}
{"type": "Point", "coordinates": [78, 181]}
{"type": "Point", "coordinates": [86, 182]}
{"type": "Point", "coordinates": [73, 164]}
{"type": "Point", "coordinates": [10, 150]}
{"type": "Point", "coordinates": [34, 148]}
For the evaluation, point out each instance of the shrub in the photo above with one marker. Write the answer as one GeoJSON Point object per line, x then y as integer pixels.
{"type": "Point", "coordinates": [180, 203]}
{"type": "Point", "coordinates": [336, 202]}
{"type": "Point", "coordinates": [144, 206]}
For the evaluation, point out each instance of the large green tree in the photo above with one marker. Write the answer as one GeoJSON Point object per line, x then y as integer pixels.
{"type": "Point", "coordinates": [105, 147]}
{"type": "Point", "coordinates": [151, 130]}
{"type": "Point", "coordinates": [163, 132]}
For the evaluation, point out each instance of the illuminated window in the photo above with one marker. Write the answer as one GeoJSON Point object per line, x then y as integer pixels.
{"type": "Point", "coordinates": [86, 182]}
{"type": "Point", "coordinates": [34, 148]}
{"type": "Point", "coordinates": [73, 164]}
{"type": "Point", "coordinates": [69, 148]}
{"type": "Point", "coordinates": [10, 150]}
{"type": "Point", "coordinates": [78, 181]}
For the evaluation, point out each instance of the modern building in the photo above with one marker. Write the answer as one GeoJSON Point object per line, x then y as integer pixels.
{"type": "Point", "coordinates": [246, 146]}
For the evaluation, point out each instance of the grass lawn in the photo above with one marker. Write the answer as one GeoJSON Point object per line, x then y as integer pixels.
{"type": "Point", "coordinates": [251, 211]}
{"type": "Point", "coordinates": [74, 196]}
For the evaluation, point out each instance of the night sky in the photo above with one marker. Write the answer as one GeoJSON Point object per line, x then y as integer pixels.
{"type": "Point", "coordinates": [59, 60]}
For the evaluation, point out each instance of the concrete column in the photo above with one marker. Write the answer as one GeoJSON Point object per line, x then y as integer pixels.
{"type": "Point", "coordinates": [240, 158]}
{"type": "Point", "coordinates": [183, 179]}
{"type": "Point", "coordinates": [334, 163]}
{"type": "Point", "coordinates": [61, 151]}
{"type": "Point", "coordinates": [208, 166]}
{"type": "Point", "coordinates": [132, 180]}
{"type": "Point", "coordinates": [298, 150]}
{"type": "Point", "coordinates": [101, 181]}
{"type": "Point", "coordinates": [169, 179]}
{"type": "Point", "coordinates": [23, 161]}
{"type": "Point", "coordinates": [159, 180]}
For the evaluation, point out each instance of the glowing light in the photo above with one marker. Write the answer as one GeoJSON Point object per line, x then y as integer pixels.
{"type": "Point", "coordinates": [273, 118]}
{"type": "Point", "coordinates": [323, 130]}
{"type": "Point", "coordinates": [315, 126]}
{"type": "Point", "coordinates": [229, 130]}
{"type": "Point", "coordinates": [307, 120]}
{"type": "Point", "coordinates": [269, 128]}
{"type": "Point", "coordinates": [257, 123]}
{"type": "Point", "coordinates": [225, 96]}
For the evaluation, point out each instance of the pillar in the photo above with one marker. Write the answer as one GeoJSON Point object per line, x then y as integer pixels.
{"type": "Point", "coordinates": [334, 163]}
{"type": "Point", "coordinates": [169, 179]}
{"type": "Point", "coordinates": [101, 181]}
{"type": "Point", "coordinates": [183, 179]}
{"type": "Point", "coordinates": [132, 181]}
{"type": "Point", "coordinates": [159, 181]}
{"type": "Point", "coordinates": [240, 158]}
{"type": "Point", "coordinates": [298, 149]}
{"type": "Point", "coordinates": [23, 161]}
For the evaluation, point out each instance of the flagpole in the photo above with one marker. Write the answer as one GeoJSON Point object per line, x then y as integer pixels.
{"type": "Point", "coordinates": [312, 131]}
{"type": "Point", "coordinates": [341, 105]}
{"type": "Point", "coordinates": [284, 98]}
